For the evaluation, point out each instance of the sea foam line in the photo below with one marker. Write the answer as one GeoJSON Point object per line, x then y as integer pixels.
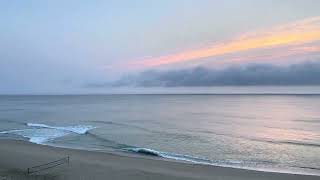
{"type": "Point", "coordinates": [79, 129]}
{"type": "Point", "coordinates": [224, 163]}
{"type": "Point", "coordinates": [41, 133]}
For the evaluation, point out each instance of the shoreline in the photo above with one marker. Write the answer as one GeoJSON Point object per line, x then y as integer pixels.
{"type": "Point", "coordinates": [159, 155]}
{"type": "Point", "coordinates": [17, 156]}
{"type": "Point", "coordinates": [151, 154]}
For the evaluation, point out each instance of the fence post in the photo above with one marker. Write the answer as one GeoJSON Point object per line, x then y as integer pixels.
{"type": "Point", "coordinates": [53, 164]}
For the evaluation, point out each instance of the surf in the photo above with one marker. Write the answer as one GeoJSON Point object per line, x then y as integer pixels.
{"type": "Point", "coordinates": [42, 133]}
{"type": "Point", "coordinates": [238, 164]}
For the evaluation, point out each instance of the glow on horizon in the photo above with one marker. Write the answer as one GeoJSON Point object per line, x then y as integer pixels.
{"type": "Point", "coordinates": [275, 56]}
{"type": "Point", "coordinates": [291, 34]}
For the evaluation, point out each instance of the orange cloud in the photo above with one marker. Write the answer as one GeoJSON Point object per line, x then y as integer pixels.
{"type": "Point", "coordinates": [271, 55]}
{"type": "Point", "coordinates": [299, 32]}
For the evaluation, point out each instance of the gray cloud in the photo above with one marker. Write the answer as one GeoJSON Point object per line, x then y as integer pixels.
{"type": "Point", "coordinates": [253, 74]}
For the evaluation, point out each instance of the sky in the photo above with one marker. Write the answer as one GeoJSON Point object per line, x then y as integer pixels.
{"type": "Point", "coordinates": [60, 46]}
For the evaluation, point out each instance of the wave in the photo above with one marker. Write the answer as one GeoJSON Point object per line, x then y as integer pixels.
{"type": "Point", "coordinates": [11, 109]}
{"type": "Point", "coordinates": [266, 140]}
{"type": "Point", "coordinates": [144, 151]}
{"type": "Point", "coordinates": [42, 133]}
{"type": "Point", "coordinates": [308, 120]}
{"type": "Point", "coordinates": [183, 157]}
{"type": "Point", "coordinates": [298, 143]}
{"type": "Point", "coordinates": [121, 124]}
{"type": "Point", "coordinates": [107, 142]}
{"type": "Point", "coordinates": [38, 136]}
{"type": "Point", "coordinates": [265, 166]}
{"type": "Point", "coordinates": [307, 167]}
{"type": "Point", "coordinates": [79, 129]}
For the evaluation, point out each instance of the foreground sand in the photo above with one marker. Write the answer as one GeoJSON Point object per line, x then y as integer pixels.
{"type": "Point", "coordinates": [16, 156]}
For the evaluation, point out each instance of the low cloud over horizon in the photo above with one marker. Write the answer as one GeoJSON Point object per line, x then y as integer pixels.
{"type": "Point", "coordinates": [307, 73]}
{"type": "Point", "coordinates": [77, 47]}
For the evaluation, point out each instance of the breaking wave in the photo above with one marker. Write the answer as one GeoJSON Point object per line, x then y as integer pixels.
{"type": "Point", "coordinates": [265, 166]}
{"type": "Point", "coordinates": [182, 157]}
{"type": "Point", "coordinates": [79, 129]}
{"type": "Point", "coordinates": [41, 133]}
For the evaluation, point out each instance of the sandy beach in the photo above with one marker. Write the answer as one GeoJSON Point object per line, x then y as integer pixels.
{"type": "Point", "coordinates": [17, 156]}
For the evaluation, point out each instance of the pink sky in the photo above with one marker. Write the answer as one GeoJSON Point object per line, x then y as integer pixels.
{"type": "Point", "coordinates": [299, 38]}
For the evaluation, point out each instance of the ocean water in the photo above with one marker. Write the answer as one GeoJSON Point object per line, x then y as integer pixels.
{"type": "Point", "coordinates": [275, 132]}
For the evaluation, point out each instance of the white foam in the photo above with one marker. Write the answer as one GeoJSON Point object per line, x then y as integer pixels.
{"type": "Point", "coordinates": [38, 136]}
{"type": "Point", "coordinates": [79, 129]}
{"type": "Point", "coordinates": [144, 150]}
{"type": "Point", "coordinates": [41, 133]}
{"type": "Point", "coordinates": [179, 157]}
{"type": "Point", "coordinates": [226, 163]}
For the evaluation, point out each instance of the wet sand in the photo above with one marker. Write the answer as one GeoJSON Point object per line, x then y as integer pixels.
{"type": "Point", "coordinates": [17, 156]}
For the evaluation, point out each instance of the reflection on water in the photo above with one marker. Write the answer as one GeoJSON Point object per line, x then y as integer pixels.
{"type": "Point", "coordinates": [246, 130]}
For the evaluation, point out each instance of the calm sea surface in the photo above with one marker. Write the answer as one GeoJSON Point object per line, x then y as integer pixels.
{"type": "Point", "coordinates": [264, 132]}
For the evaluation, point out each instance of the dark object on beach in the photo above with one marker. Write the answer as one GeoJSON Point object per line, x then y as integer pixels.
{"type": "Point", "coordinates": [49, 165]}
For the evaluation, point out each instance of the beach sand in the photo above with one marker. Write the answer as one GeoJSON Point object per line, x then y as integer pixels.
{"type": "Point", "coordinates": [17, 156]}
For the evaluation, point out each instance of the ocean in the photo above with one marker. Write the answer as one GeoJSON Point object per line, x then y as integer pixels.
{"type": "Point", "coordinates": [267, 132]}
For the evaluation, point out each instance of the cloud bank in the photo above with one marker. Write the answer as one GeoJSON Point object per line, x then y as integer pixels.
{"type": "Point", "coordinates": [295, 33]}
{"type": "Point", "coordinates": [307, 73]}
